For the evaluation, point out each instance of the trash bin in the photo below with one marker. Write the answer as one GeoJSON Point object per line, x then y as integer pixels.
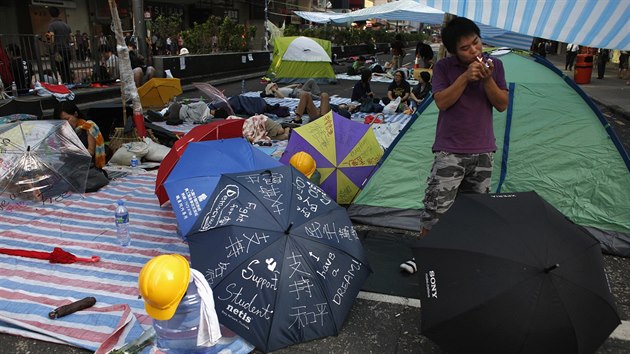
{"type": "Point", "coordinates": [583, 69]}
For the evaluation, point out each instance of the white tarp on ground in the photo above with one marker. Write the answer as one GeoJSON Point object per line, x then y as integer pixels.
{"type": "Point", "coordinates": [593, 23]}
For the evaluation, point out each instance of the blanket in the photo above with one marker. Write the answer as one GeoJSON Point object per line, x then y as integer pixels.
{"type": "Point", "coordinates": [83, 226]}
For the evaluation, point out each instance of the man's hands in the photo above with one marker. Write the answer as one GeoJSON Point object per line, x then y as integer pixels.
{"type": "Point", "coordinates": [479, 70]}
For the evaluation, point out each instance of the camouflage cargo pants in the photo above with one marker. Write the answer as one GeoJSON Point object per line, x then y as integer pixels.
{"type": "Point", "coordinates": [451, 174]}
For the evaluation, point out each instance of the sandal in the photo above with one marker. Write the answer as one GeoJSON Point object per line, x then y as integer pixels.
{"type": "Point", "coordinates": [297, 119]}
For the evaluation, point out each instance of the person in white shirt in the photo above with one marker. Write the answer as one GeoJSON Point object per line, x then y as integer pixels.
{"type": "Point", "coordinates": [572, 51]}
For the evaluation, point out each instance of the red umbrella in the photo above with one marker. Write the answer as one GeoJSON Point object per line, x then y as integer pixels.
{"type": "Point", "coordinates": [56, 256]}
{"type": "Point", "coordinates": [223, 129]}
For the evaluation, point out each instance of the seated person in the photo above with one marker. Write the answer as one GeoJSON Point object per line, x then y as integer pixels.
{"type": "Point", "coordinates": [357, 66]}
{"type": "Point", "coordinates": [292, 91]}
{"type": "Point", "coordinates": [306, 105]}
{"type": "Point", "coordinates": [399, 88]}
{"type": "Point", "coordinates": [422, 90]}
{"type": "Point", "coordinates": [141, 72]}
{"type": "Point", "coordinates": [305, 163]}
{"type": "Point", "coordinates": [88, 132]}
{"type": "Point", "coordinates": [362, 89]}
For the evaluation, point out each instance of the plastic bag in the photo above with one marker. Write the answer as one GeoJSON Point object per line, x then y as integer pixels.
{"type": "Point", "coordinates": [392, 106]}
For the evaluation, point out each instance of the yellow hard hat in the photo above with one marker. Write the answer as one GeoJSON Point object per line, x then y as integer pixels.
{"type": "Point", "coordinates": [163, 281]}
{"type": "Point", "coordinates": [304, 163]}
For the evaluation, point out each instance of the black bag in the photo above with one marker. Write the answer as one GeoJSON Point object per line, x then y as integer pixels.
{"type": "Point", "coordinates": [97, 178]}
{"type": "Point", "coordinates": [370, 105]}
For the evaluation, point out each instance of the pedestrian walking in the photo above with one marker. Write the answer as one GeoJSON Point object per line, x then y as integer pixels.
{"type": "Point", "coordinates": [572, 51]}
{"type": "Point", "coordinates": [603, 56]}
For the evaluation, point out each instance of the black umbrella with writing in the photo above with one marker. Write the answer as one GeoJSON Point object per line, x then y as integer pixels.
{"type": "Point", "coordinates": [509, 273]}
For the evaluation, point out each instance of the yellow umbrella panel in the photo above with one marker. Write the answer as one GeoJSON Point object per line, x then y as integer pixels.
{"type": "Point", "coordinates": [346, 153]}
{"type": "Point", "coordinates": [157, 92]}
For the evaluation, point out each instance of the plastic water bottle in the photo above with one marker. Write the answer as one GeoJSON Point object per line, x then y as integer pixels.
{"type": "Point", "coordinates": [122, 224]}
{"type": "Point", "coordinates": [179, 334]}
{"type": "Point", "coordinates": [14, 92]}
{"type": "Point", "coordinates": [134, 165]}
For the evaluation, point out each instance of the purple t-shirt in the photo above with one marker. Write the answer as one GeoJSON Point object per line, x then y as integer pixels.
{"type": "Point", "coordinates": [466, 126]}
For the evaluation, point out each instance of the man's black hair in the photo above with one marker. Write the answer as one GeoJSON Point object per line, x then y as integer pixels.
{"type": "Point", "coordinates": [426, 77]}
{"type": "Point", "coordinates": [457, 28]}
{"type": "Point", "coordinates": [221, 113]}
{"type": "Point", "coordinates": [53, 11]}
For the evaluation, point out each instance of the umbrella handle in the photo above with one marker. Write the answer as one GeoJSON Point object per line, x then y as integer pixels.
{"type": "Point", "coordinates": [92, 259]}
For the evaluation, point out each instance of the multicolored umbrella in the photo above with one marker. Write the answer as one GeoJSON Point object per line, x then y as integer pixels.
{"type": "Point", "coordinates": [346, 153]}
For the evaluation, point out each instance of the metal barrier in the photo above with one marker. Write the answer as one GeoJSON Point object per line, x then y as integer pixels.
{"type": "Point", "coordinates": [32, 58]}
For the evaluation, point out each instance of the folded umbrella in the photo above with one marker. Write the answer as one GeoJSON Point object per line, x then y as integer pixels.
{"type": "Point", "coordinates": [58, 255]}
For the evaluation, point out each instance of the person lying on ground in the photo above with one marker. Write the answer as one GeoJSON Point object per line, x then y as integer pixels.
{"type": "Point", "coordinates": [306, 105]}
{"type": "Point", "coordinates": [87, 131]}
{"type": "Point", "coordinates": [260, 128]}
{"type": "Point", "coordinates": [292, 91]}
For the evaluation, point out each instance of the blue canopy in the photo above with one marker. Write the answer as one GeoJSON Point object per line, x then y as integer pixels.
{"type": "Point", "coordinates": [593, 23]}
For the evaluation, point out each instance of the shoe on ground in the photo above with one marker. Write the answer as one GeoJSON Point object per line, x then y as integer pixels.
{"type": "Point", "coordinates": [409, 266]}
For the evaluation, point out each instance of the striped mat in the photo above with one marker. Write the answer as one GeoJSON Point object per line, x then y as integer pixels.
{"type": "Point", "coordinates": [31, 288]}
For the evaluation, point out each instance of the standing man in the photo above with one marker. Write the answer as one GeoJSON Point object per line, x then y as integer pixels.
{"type": "Point", "coordinates": [466, 88]}
{"type": "Point", "coordinates": [397, 52]}
{"type": "Point", "coordinates": [61, 34]}
{"type": "Point", "coordinates": [572, 51]}
{"type": "Point", "coordinates": [603, 56]}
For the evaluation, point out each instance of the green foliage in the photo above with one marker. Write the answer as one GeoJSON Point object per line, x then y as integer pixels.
{"type": "Point", "coordinates": [167, 26]}
{"type": "Point", "coordinates": [199, 38]}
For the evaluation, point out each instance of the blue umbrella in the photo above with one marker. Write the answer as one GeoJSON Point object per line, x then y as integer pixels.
{"type": "Point", "coordinates": [198, 170]}
{"type": "Point", "coordinates": [282, 258]}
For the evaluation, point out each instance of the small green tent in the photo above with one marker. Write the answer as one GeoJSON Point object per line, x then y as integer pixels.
{"type": "Point", "coordinates": [297, 59]}
{"type": "Point", "coordinates": [552, 139]}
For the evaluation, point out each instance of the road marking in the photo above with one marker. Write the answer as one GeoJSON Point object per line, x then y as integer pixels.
{"type": "Point", "coordinates": [622, 331]}
{"type": "Point", "coordinates": [397, 300]}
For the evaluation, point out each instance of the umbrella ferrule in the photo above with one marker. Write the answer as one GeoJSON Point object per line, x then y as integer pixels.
{"type": "Point", "coordinates": [549, 269]}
